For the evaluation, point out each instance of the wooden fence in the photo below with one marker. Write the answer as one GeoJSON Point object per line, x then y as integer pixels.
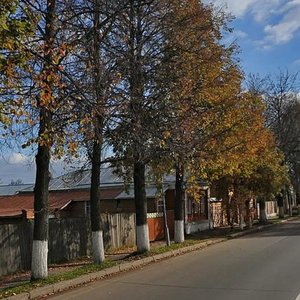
{"type": "Point", "coordinates": [68, 239]}
{"type": "Point", "coordinates": [219, 214]}
{"type": "Point", "coordinates": [15, 247]}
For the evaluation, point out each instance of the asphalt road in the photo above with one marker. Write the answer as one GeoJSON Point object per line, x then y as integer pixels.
{"type": "Point", "coordinates": [259, 266]}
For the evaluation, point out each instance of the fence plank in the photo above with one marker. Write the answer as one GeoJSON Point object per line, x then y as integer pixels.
{"type": "Point", "coordinates": [4, 249]}
{"type": "Point", "coordinates": [68, 239]}
{"type": "Point", "coordinates": [25, 230]}
{"type": "Point", "coordinates": [14, 257]}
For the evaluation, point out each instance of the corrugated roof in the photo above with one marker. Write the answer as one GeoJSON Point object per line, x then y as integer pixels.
{"type": "Point", "coordinates": [81, 179]}
{"type": "Point", "coordinates": [105, 194]}
{"type": "Point", "coordinates": [57, 200]}
{"type": "Point", "coordinates": [24, 201]}
{"type": "Point", "coordinates": [7, 190]}
{"type": "Point", "coordinates": [151, 192]}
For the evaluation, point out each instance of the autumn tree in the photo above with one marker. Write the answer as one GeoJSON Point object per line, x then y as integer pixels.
{"type": "Point", "coordinates": [92, 69]}
{"type": "Point", "coordinates": [204, 81]}
{"type": "Point", "coordinates": [253, 167]}
{"type": "Point", "coordinates": [137, 41]}
{"type": "Point", "coordinates": [86, 71]}
{"type": "Point", "coordinates": [13, 31]}
{"type": "Point", "coordinates": [280, 94]}
{"type": "Point", "coordinates": [39, 266]}
{"type": "Point", "coordinates": [39, 107]}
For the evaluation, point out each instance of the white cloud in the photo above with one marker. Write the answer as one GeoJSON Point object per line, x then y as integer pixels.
{"type": "Point", "coordinates": [16, 166]}
{"type": "Point", "coordinates": [260, 10]}
{"type": "Point", "coordinates": [240, 34]}
{"type": "Point", "coordinates": [263, 10]}
{"type": "Point", "coordinates": [17, 158]}
{"type": "Point", "coordinates": [262, 45]}
{"type": "Point", "coordinates": [19, 166]}
{"type": "Point", "coordinates": [290, 5]}
{"type": "Point", "coordinates": [281, 18]}
{"type": "Point", "coordinates": [237, 8]}
{"type": "Point", "coordinates": [297, 62]}
{"type": "Point", "coordinates": [285, 30]}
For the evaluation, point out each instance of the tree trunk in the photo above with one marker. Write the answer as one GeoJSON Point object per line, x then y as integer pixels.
{"type": "Point", "coordinates": [289, 200]}
{"type": "Point", "coordinates": [136, 87]}
{"type": "Point", "coordinates": [178, 205]}
{"type": "Point", "coordinates": [97, 236]}
{"type": "Point", "coordinates": [241, 216]}
{"type": "Point", "coordinates": [281, 212]}
{"type": "Point", "coordinates": [142, 232]}
{"type": "Point", "coordinates": [280, 202]}
{"type": "Point", "coordinates": [248, 214]}
{"type": "Point", "coordinates": [262, 211]}
{"type": "Point", "coordinates": [228, 210]}
{"type": "Point", "coordinates": [297, 196]}
{"type": "Point", "coordinates": [39, 263]}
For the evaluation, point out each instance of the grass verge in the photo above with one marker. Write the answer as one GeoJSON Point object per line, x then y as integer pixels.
{"type": "Point", "coordinates": [173, 246]}
{"type": "Point", "coordinates": [86, 269]}
{"type": "Point", "coordinates": [67, 275]}
{"type": "Point", "coordinates": [90, 268]}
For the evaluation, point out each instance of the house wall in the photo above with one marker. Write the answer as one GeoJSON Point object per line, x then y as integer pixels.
{"type": "Point", "coordinates": [170, 197]}
{"type": "Point", "coordinates": [196, 226]}
{"type": "Point", "coordinates": [77, 209]}
{"type": "Point", "coordinates": [73, 210]}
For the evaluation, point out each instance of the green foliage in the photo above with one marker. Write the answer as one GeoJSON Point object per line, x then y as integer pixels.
{"type": "Point", "coordinates": [189, 108]}
{"type": "Point", "coordinates": [13, 28]}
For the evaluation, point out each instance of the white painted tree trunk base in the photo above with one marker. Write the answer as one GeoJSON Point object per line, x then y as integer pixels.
{"type": "Point", "coordinates": [39, 261]}
{"type": "Point", "coordinates": [142, 238]}
{"type": "Point", "coordinates": [242, 222]}
{"type": "Point", "coordinates": [178, 231]}
{"type": "Point", "coordinates": [98, 247]}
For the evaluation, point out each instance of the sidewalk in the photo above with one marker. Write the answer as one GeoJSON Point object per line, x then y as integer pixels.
{"type": "Point", "coordinates": [123, 261]}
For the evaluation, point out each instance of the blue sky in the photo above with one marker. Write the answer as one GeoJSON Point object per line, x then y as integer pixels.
{"type": "Point", "coordinates": [268, 33]}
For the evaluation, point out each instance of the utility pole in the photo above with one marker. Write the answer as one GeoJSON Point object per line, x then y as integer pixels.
{"type": "Point", "coordinates": [167, 233]}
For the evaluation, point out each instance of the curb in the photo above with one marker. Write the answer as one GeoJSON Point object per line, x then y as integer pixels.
{"type": "Point", "coordinates": [127, 266]}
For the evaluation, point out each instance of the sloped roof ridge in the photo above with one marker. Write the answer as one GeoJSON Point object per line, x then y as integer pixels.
{"type": "Point", "coordinates": [8, 190]}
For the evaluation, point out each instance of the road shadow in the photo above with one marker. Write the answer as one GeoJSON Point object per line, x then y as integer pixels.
{"type": "Point", "coordinates": [289, 228]}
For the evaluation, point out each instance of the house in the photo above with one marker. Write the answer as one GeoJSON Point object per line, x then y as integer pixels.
{"type": "Point", "coordinates": [69, 198]}
{"type": "Point", "coordinates": [14, 210]}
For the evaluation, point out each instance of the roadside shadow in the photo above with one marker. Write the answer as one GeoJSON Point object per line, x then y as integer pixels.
{"type": "Point", "coordinates": [290, 228]}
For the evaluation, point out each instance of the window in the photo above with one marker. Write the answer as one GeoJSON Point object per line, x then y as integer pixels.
{"type": "Point", "coordinates": [87, 208]}
{"type": "Point", "coordinates": [160, 205]}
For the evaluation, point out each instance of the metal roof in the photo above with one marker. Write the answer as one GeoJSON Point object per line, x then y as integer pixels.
{"type": "Point", "coordinates": [151, 192]}
{"type": "Point", "coordinates": [57, 200]}
{"type": "Point", "coordinates": [81, 179]}
{"type": "Point", "coordinates": [8, 190]}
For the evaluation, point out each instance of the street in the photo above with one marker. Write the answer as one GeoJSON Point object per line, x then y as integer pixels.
{"type": "Point", "coordinates": [259, 266]}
